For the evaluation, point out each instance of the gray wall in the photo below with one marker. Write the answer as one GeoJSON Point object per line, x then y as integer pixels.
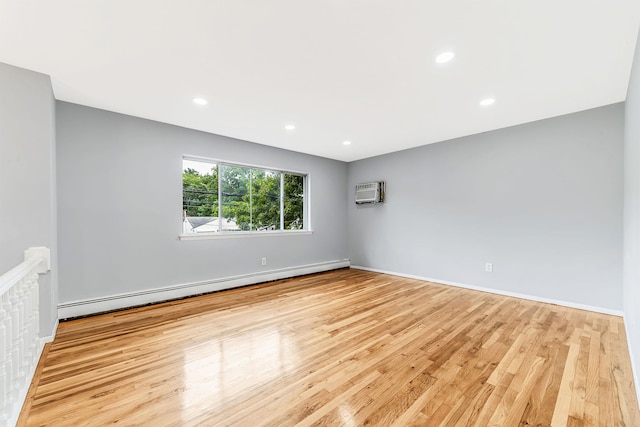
{"type": "Point", "coordinates": [27, 177]}
{"type": "Point", "coordinates": [120, 197]}
{"type": "Point", "coordinates": [541, 201]}
{"type": "Point", "coordinates": [632, 213]}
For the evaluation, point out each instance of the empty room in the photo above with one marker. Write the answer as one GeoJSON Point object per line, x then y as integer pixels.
{"type": "Point", "coordinates": [286, 213]}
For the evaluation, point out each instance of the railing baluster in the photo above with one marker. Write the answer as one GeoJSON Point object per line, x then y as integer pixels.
{"type": "Point", "coordinates": [35, 295]}
{"type": "Point", "coordinates": [19, 331]}
{"type": "Point", "coordinates": [32, 319]}
{"type": "Point", "coordinates": [15, 345]}
{"type": "Point", "coordinates": [23, 292]}
{"type": "Point", "coordinates": [4, 390]}
{"type": "Point", "coordinates": [22, 336]}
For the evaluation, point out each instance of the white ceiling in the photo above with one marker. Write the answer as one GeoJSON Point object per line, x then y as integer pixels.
{"type": "Point", "coordinates": [361, 70]}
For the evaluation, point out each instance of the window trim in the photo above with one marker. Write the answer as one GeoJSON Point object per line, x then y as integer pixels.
{"type": "Point", "coordinates": [241, 234]}
{"type": "Point", "coordinates": [306, 222]}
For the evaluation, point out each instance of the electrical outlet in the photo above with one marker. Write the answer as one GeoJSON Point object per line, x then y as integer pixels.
{"type": "Point", "coordinates": [488, 267]}
{"type": "Point", "coordinates": [264, 261]}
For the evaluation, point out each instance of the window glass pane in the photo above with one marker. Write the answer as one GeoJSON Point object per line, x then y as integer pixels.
{"type": "Point", "coordinates": [199, 196]}
{"type": "Point", "coordinates": [265, 200]}
{"type": "Point", "coordinates": [235, 198]}
{"type": "Point", "coordinates": [293, 201]}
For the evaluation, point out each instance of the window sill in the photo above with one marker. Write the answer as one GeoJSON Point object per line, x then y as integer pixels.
{"type": "Point", "coordinates": [242, 234]}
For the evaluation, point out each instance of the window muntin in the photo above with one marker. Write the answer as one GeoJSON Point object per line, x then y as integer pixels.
{"type": "Point", "coordinates": [251, 199]}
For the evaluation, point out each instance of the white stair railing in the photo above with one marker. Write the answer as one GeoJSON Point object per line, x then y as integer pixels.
{"type": "Point", "coordinates": [20, 346]}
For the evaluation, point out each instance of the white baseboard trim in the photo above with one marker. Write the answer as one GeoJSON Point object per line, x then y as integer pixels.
{"type": "Point", "coordinates": [636, 383]}
{"type": "Point", "coordinates": [131, 299]}
{"type": "Point", "coordinates": [500, 292]}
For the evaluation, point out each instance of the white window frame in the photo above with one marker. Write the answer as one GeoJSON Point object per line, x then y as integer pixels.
{"type": "Point", "coordinates": [306, 223]}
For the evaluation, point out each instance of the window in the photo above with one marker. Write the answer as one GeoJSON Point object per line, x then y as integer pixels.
{"type": "Point", "coordinates": [227, 198]}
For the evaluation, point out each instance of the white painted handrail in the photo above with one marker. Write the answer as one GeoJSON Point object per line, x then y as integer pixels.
{"type": "Point", "coordinates": [17, 273]}
{"type": "Point", "coordinates": [20, 346]}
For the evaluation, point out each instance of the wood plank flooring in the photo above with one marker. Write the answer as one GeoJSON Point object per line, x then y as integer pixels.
{"type": "Point", "coordinates": [343, 348]}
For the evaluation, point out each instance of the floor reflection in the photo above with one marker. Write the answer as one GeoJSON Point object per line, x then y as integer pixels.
{"type": "Point", "coordinates": [220, 368]}
{"type": "Point", "coordinates": [346, 416]}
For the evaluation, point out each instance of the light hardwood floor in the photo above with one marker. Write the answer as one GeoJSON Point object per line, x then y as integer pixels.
{"type": "Point", "coordinates": [348, 348]}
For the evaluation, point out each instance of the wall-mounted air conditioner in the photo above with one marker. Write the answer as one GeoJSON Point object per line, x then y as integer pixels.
{"type": "Point", "coordinates": [370, 192]}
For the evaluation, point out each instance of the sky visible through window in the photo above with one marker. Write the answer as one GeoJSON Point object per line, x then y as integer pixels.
{"type": "Point", "coordinates": [203, 168]}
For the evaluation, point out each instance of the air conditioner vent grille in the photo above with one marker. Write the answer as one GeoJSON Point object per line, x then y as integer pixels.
{"type": "Point", "coordinates": [370, 192]}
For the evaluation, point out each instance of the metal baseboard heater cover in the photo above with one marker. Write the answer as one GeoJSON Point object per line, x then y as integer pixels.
{"type": "Point", "coordinates": [370, 192]}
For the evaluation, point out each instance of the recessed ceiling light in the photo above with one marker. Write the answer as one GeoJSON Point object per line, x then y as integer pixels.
{"type": "Point", "coordinates": [487, 102]}
{"type": "Point", "coordinates": [200, 101]}
{"type": "Point", "coordinates": [290, 127]}
{"type": "Point", "coordinates": [445, 57]}
{"type": "Point", "coordinates": [346, 142]}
